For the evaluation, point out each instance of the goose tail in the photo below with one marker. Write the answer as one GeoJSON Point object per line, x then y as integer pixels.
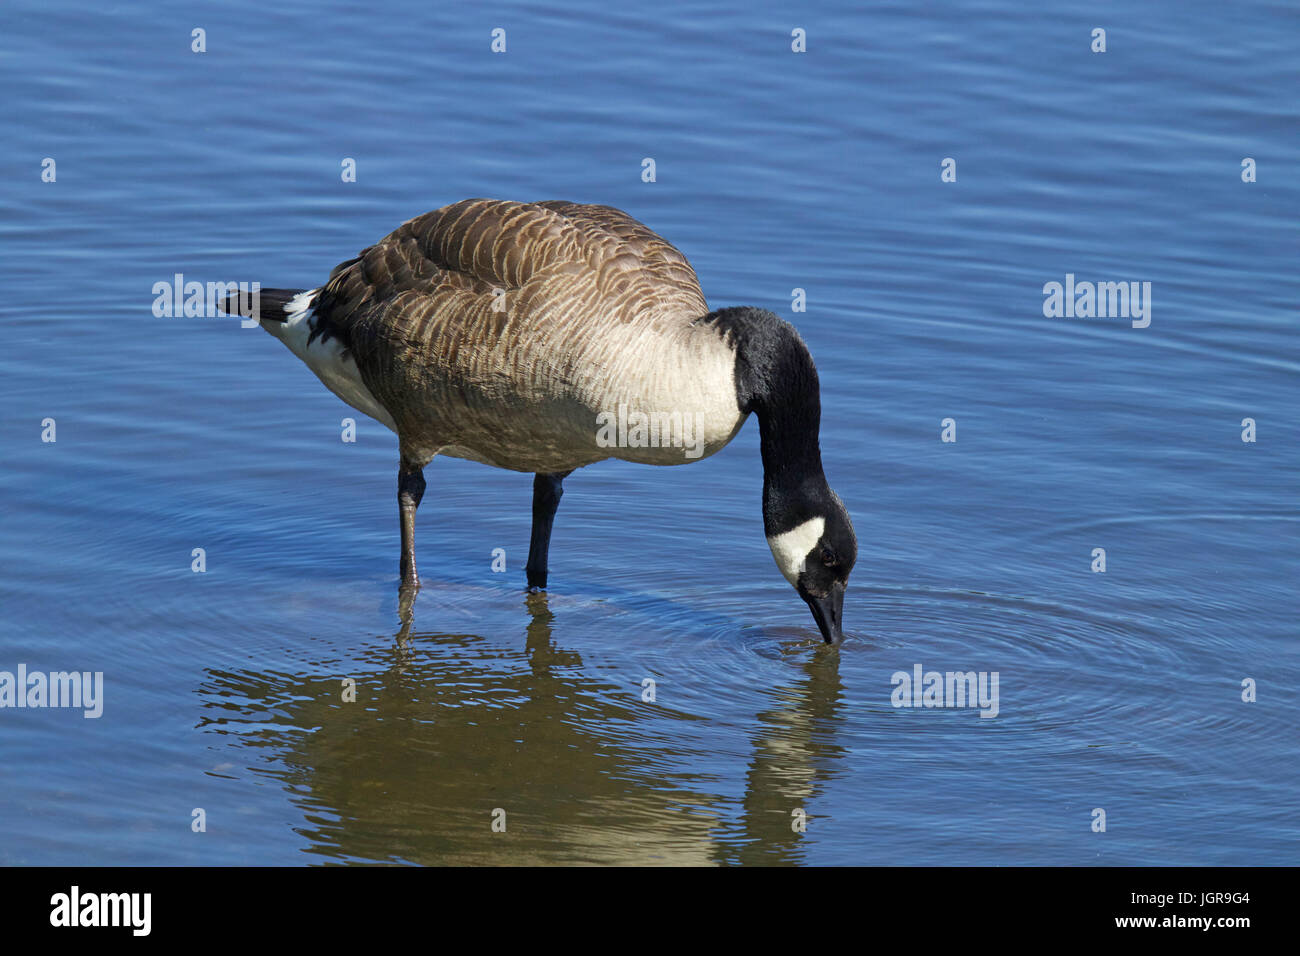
{"type": "Point", "coordinates": [273, 305]}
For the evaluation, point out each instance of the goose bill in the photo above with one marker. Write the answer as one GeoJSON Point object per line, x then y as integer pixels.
{"type": "Point", "coordinates": [827, 613]}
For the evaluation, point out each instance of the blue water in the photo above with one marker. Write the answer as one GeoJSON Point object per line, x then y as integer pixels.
{"type": "Point", "coordinates": [1119, 691]}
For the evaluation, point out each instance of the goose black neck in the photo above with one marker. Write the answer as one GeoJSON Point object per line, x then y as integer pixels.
{"type": "Point", "coordinates": [777, 381]}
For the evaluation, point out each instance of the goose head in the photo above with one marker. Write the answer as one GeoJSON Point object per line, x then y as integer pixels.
{"type": "Point", "coordinates": [806, 524]}
{"type": "Point", "coordinates": [816, 553]}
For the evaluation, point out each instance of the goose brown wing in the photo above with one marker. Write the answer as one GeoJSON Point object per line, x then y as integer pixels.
{"type": "Point", "coordinates": [426, 299]}
{"type": "Point", "coordinates": [467, 250]}
{"type": "Point", "coordinates": [615, 237]}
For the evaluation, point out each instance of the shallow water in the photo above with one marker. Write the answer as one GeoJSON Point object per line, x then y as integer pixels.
{"type": "Point", "coordinates": [223, 689]}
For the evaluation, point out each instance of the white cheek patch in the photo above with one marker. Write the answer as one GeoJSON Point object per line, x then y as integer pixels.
{"type": "Point", "coordinates": [791, 548]}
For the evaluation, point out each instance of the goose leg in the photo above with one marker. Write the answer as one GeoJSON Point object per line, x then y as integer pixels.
{"type": "Point", "coordinates": [410, 489]}
{"type": "Point", "coordinates": [547, 492]}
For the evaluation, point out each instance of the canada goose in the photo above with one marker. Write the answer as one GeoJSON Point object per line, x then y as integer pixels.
{"type": "Point", "coordinates": [542, 337]}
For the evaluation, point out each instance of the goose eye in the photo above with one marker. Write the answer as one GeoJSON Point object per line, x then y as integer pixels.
{"type": "Point", "coordinates": [828, 557]}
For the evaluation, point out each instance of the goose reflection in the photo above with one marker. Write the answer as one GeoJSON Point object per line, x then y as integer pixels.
{"type": "Point", "coordinates": [449, 730]}
{"type": "Point", "coordinates": [795, 753]}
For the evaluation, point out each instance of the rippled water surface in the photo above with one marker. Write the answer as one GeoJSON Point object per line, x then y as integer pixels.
{"type": "Point", "coordinates": [820, 171]}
